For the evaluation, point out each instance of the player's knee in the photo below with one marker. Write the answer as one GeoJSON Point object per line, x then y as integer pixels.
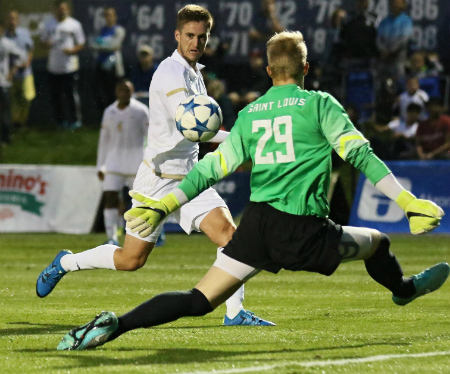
{"type": "Point", "coordinates": [131, 263]}
{"type": "Point", "coordinates": [198, 304]}
{"type": "Point", "coordinates": [226, 234]}
{"type": "Point", "coordinates": [384, 243]}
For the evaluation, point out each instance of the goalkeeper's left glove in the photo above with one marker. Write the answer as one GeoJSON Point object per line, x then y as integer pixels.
{"type": "Point", "coordinates": [423, 215]}
{"type": "Point", "coordinates": [145, 218]}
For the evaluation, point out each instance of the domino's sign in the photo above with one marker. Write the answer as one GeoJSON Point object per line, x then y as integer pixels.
{"type": "Point", "coordinates": [426, 179]}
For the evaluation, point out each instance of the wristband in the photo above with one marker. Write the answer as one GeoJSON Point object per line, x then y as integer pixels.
{"type": "Point", "coordinates": [404, 199]}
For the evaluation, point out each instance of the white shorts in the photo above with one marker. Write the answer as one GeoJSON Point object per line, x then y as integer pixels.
{"type": "Point", "coordinates": [189, 216]}
{"type": "Point", "coordinates": [115, 182]}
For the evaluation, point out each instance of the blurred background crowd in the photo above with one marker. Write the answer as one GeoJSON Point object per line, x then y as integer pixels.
{"type": "Point", "coordinates": [395, 90]}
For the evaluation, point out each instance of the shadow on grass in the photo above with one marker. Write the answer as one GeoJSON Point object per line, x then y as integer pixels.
{"type": "Point", "coordinates": [28, 328]}
{"type": "Point", "coordinates": [96, 358]}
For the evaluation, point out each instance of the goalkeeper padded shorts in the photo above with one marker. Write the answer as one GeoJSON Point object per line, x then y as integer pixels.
{"type": "Point", "coordinates": [269, 239]}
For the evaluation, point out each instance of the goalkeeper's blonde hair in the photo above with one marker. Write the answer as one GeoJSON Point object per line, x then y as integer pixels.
{"type": "Point", "coordinates": [286, 53]}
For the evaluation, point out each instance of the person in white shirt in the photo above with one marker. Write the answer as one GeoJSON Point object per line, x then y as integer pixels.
{"type": "Point", "coordinates": [7, 70]}
{"type": "Point", "coordinates": [167, 159]}
{"type": "Point", "coordinates": [64, 37]}
{"type": "Point", "coordinates": [412, 94]}
{"type": "Point", "coordinates": [400, 142]}
{"type": "Point", "coordinates": [22, 90]}
{"type": "Point", "coordinates": [120, 151]}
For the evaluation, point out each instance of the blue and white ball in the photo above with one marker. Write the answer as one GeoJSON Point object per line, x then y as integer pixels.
{"type": "Point", "coordinates": [198, 118]}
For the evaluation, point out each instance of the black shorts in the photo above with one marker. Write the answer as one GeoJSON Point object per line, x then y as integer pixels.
{"type": "Point", "coordinates": [272, 240]}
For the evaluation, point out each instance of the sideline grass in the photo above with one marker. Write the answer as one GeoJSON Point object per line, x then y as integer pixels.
{"type": "Point", "coordinates": [52, 147]}
{"type": "Point", "coordinates": [345, 316]}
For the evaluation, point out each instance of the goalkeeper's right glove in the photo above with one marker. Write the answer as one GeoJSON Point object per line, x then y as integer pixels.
{"type": "Point", "coordinates": [144, 219]}
{"type": "Point", "coordinates": [423, 215]}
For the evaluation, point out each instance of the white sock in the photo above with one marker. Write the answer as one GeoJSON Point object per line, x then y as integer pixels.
{"type": "Point", "coordinates": [234, 303]}
{"type": "Point", "coordinates": [111, 217]}
{"type": "Point", "coordinates": [101, 257]}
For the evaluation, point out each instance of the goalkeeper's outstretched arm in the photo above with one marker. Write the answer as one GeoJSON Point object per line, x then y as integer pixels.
{"type": "Point", "coordinates": [423, 215]}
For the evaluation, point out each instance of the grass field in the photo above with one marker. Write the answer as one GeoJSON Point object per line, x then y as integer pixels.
{"type": "Point", "coordinates": [52, 147]}
{"type": "Point", "coordinates": [341, 324]}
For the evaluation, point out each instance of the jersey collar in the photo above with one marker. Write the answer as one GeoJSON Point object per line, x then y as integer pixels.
{"type": "Point", "coordinates": [177, 57]}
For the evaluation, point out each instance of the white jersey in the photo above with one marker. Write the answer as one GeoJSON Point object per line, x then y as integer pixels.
{"type": "Point", "coordinates": [121, 142]}
{"type": "Point", "coordinates": [167, 150]}
{"type": "Point", "coordinates": [62, 35]}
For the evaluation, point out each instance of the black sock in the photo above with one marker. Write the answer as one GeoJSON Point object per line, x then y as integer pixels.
{"type": "Point", "coordinates": [384, 268]}
{"type": "Point", "coordinates": [163, 308]}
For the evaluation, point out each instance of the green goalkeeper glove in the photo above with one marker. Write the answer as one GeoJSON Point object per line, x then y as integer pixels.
{"type": "Point", "coordinates": [145, 218]}
{"type": "Point", "coordinates": [423, 215]}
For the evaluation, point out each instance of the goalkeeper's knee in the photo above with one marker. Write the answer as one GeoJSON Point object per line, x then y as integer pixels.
{"type": "Point", "coordinates": [382, 249]}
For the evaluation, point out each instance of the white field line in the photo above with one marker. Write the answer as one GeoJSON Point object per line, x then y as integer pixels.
{"type": "Point", "coordinates": [340, 362]}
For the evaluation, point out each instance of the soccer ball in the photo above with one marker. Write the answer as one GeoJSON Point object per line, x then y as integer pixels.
{"type": "Point", "coordinates": [198, 118]}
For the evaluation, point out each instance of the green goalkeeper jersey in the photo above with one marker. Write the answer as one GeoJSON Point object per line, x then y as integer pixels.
{"type": "Point", "coordinates": [288, 134]}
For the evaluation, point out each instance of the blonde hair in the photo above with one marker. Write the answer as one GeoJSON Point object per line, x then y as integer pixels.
{"type": "Point", "coordinates": [193, 13]}
{"type": "Point", "coordinates": [286, 53]}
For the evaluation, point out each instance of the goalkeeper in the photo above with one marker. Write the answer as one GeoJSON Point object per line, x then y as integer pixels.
{"type": "Point", "coordinates": [288, 134]}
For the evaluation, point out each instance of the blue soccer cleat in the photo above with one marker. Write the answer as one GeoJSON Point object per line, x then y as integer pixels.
{"type": "Point", "coordinates": [425, 282]}
{"type": "Point", "coordinates": [51, 275]}
{"type": "Point", "coordinates": [111, 241]}
{"type": "Point", "coordinates": [90, 335]}
{"type": "Point", "coordinates": [246, 318]}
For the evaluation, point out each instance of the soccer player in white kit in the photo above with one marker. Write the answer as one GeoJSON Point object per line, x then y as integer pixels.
{"type": "Point", "coordinates": [167, 159]}
{"type": "Point", "coordinates": [120, 151]}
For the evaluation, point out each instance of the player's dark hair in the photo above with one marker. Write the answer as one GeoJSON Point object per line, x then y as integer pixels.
{"type": "Point", "coordinates": [286, 54]}
{"type": "Point", "coordinates": [106, 8]}
{"type": "Point", "coordinates": [123, 81]}
{"type": "Point", "coordinates": [414, 108]}
{"type": "Point", "coordinates": [57, 3]}
{"type": "Point", "coordinates": [193, 13]}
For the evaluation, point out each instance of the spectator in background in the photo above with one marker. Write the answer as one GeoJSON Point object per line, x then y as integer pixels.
{"type": "Point", "coordinates": [393, 36]}
{"type": "Point", "coordinates": [109, 67]}
{"type": "Point", "coordinates": [433, 134]}
{"type": "Point", "coordinates": [333, 44]}
{"type": "Point", "coordinates": [422, 65]}
{"type": "Point", "coordinates": [64, 36]}
{"type": "Point", "coordinates": [330, 74]}
{"type": "Point", "coordinates": [264, 24]}
{"type": "Point", "coordinates": [404, 133]}
{"type": "Point", "coordinates": [396, 140]}
{"type": "Point", "coordinates": [7, 71]}
{"type": "Point", "coordinates": [22, 90]}
{"type": "Point", "coordinates": [214, 54]}
{"type": "Point", "coordinates": [412, 94]}
{"type": "Point", "coordinates": [358, 37]}
{"type": "Point", "coordinates": [142, 74]}
{"type": "Point", "coordinates": [254, 80]}
{"type": "Point", "coordinates": [216, 89]}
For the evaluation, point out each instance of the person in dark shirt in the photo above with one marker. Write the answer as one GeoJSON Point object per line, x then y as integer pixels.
{"type": "Point", "coordinates": [358, 37]}
{"type": "Point", "coordinates": [433, 134]}
{"type": "Point", "coordinates": [142, 75]}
